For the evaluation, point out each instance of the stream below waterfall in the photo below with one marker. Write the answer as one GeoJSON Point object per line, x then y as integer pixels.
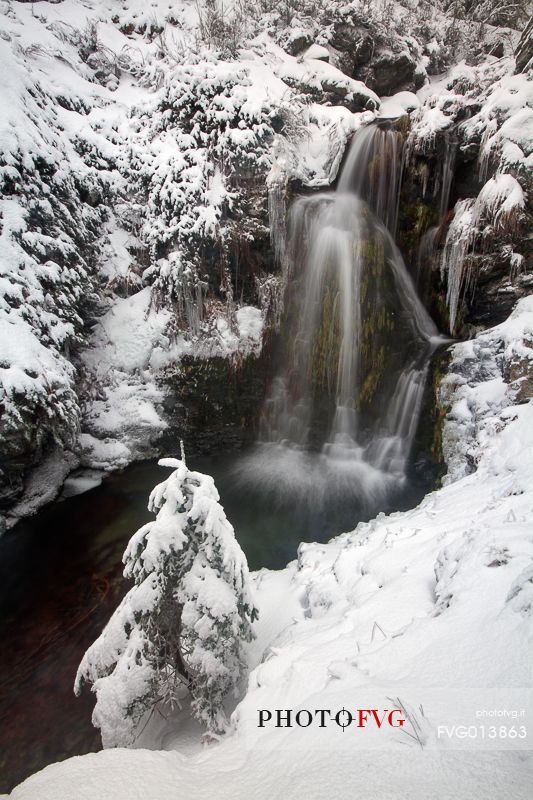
{"type": "Point", "coordinates": [340, 440]}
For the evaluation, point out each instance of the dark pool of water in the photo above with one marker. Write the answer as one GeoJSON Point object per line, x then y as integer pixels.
{"type": "Point", "coordinates": [60, 579]}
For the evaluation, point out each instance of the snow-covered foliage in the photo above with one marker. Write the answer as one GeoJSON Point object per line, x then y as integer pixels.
{"type": "Point", "coordinates": [185, 620]}
{"type": "Point", "coordinates": [54, 177]}
{"type": "Point", "coordinates": [512, 13]}
{"type": "Point", "coordinates": [207, 133]}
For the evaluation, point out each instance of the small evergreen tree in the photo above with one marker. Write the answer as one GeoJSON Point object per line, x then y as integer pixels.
{"type": "Point", "coordinates": [184, 620]}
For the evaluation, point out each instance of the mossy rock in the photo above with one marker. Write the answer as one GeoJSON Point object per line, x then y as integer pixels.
{"type": "Point", "coordinates": [213, 404]}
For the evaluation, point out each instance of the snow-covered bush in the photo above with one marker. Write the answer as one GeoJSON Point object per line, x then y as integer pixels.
{"type": "Point", "coordinates": [54, 187]}
{"type": "Point", "coordinates": [184, 621]}
{"type": "Point", "coordinates": [207, 138]}
{"type": "Point", "coordinates": [223, 27]}
{"type": "Point", "coordinates": [511, 13]}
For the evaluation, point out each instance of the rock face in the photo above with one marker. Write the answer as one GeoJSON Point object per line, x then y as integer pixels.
{"type": "Point", "coordinates": [18, 455]}
{"type": "Point", "coordinates": [299, 41]}
{"type": "Point", "coordinates": [465, 210]}
{"type": "Point", "coordinates": [214, 405]}
{"type": "Point", "coordinates": [354, 45]}
{"type": "Point", "coordinates": [524, 51]}
{"type": "Point", "coordinates": [498, 260]}
{"type": "Point", "coordinates": [362, 53]}
{"type": "Point", "coordinates": [518, 371]}
{"type": "Point", "coordinates": [388, 73]}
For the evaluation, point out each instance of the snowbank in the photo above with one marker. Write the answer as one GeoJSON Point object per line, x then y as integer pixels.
{"type": "Point", "coordinates": [432, 607]}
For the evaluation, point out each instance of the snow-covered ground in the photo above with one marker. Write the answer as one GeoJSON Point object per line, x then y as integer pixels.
{"type": "Point", "coordinates": [431, 609]}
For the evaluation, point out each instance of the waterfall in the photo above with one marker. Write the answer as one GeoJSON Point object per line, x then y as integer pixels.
{"type": "Point", "coordinates": [373, 171]}
{"type": "Point", "coordinates": [343, 410]}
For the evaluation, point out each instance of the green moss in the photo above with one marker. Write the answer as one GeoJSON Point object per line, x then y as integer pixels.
{"type": "Point", "coordinates": [415, 219]}
{"type": "Point", "coordinates": [327, 342]}
{"type": "Point", "coordinates": [378, 321]}
{"type": "Point", "coordinates": [403, 125]}
{"type": "Point", "coordinates": [213, 403]}
{"type": "Point", "coordinates": [373, 377]}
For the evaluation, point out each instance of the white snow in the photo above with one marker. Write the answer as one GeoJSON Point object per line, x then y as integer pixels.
{"type": "Point", "coordinates": [316, 51]}
{"type": "Point", "coordinates": [398, 105]}
{"type": "Point", "coordinates": [434, 599]}
{"type": "Point", "coordinates": [432, 606]}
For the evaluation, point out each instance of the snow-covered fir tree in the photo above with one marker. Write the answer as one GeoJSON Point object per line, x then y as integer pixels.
{"type": "Point", "coordinates": [184, 621]}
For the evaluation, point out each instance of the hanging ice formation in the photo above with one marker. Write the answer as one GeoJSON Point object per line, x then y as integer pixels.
{"type": "Point", "coordinates": [498, 205]}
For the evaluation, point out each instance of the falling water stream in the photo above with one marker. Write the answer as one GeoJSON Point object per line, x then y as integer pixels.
{"type": "Point", "coordinates": [340, 419]}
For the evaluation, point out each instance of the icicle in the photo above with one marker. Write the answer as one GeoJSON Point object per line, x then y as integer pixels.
{"type": "Point", "coordinates": [499, 204]}
{"type": "Point", "coordinates": [270, 291]}
{"type": "Point", "coordinates": [485, 148]}
{"type": "Point", "coordinates": [180, 282]}
{"type": "Point", "coordinates": [517, 264]}
{"type": "Point", "coordinates": [424, 169]}
{"type": "Point", "coordinates": [277, 214]}
{"type": "Point", "coordinates": [447, 176]}
{"type": "Point", "coordinates": [460, 238]}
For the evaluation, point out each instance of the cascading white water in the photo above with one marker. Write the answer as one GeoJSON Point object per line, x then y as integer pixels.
{"type": "Point", "coordinates": [342, 413]}
{"type": "Point", "coordinates": [373, 172]}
